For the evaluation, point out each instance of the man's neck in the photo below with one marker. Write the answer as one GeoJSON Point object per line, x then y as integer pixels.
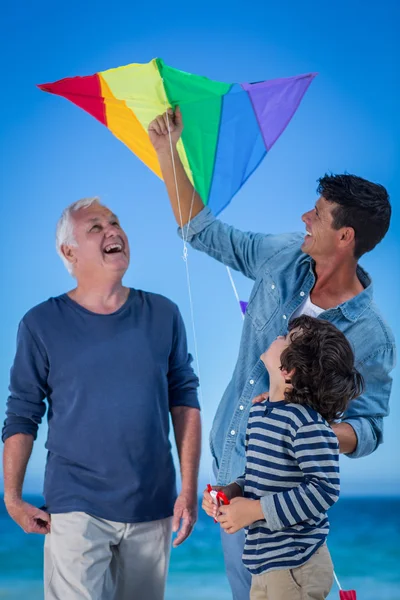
{"type": "Point", "coordinates": [101, 297]}
{"type": "Point", "coordinates": [336, 282]}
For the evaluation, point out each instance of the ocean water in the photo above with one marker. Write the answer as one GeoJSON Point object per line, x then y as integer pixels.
{"type": "Point", "coordinates": [364, 544]}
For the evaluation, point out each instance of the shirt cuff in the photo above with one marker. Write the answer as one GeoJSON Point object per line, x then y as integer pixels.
{"type": "Point", "coordinates": [197, 224]}
{"type": "Point", "coordinates": [14, 425]}
{"type": "Point", "coordinates": [184, 398]}
{"type": "Point", "coordinates": [240, 482]}
{"type": "Point", "coordinates": [366, 438]}
{"type": "Point", "coordinates": [270, 514]}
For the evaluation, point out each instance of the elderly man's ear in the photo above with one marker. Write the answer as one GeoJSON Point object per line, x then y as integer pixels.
{"type": "Point", "coordinates": [68, 253]}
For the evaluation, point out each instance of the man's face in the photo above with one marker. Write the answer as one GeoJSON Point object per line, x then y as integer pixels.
{"type": "Point", "coordinates": [102, 246]}
{"type": "Point", "coordinates": [321, 239]}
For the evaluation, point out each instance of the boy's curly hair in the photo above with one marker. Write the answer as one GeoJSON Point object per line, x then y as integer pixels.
{"type": "Point", "coordinates": [324, 376]}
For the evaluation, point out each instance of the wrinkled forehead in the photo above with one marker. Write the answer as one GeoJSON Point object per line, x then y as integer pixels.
{"type": "Point", "coordinates": [325, 206]}
{"type": "Point", "coordinates": [93, 214]}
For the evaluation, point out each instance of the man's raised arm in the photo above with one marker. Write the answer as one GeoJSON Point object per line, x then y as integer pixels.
{"type": "Point", "coordinates": [159, 136]}
{"type": "Point", "coordinates": [242, 251]}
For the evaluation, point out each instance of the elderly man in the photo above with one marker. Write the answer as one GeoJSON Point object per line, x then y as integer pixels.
{"type": "Point", "coordinates": [113, 364]}
{"type": "Point", "coordinates": [316, 274]}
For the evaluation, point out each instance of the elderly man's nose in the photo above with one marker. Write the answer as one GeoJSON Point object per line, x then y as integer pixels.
{"type": "Point", "coordinates": [111, 229]}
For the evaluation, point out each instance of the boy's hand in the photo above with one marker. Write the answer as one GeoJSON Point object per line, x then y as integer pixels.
{"type": "Point", "coordinates": [231, 491]}
{"type": "Point", "coordinates": [208, 505]}
{"type": "Point", "coordinates": [240, 513]}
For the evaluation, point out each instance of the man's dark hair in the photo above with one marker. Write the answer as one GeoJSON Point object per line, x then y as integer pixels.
{"type": "Point", "coordinates": [363, 205]}
{"type": "Point", "coordinates": [324, 377]}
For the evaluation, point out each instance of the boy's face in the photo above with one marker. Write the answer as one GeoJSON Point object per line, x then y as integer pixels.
{"type": "Point", "coordinates": [272, 357]}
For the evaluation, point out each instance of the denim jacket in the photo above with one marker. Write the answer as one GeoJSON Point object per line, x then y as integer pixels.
{"type": "Point", "coordinates": [283, 277]}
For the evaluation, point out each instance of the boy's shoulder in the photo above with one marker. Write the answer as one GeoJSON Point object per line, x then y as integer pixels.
{"type": "Point", "coordinates": [306, 415]}
{"type": "Point", "coordinates": [297, 415]}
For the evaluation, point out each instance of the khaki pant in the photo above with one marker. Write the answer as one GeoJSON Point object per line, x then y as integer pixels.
{"type": "Point", "coordinates": [86, 558]}
{"type": "Point", "coordinates": [311, 581]}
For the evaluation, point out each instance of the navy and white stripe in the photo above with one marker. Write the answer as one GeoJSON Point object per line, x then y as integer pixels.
{"type": "Point", "coordinates": [292, 467]}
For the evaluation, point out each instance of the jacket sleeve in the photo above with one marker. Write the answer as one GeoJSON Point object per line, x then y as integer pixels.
{"type": "Point", "coordinates": [365, 414]}
{"type": "Point", "coordinates": [243, 251]}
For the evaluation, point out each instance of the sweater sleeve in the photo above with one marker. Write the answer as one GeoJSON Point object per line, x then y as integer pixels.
{"type": "Point", "coordinates": [316, 449]}
{"type": "Point", "coordinates": [28, 386]}
{"type": "Point", "coordinates": [182, 381]}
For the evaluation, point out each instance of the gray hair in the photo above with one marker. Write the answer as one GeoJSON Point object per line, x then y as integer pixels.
{"type": "Point", "coordinates": [65, 228]}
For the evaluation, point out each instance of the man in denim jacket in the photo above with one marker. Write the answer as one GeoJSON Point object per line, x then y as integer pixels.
{"type": "Point", "coordinates": [316, 274]}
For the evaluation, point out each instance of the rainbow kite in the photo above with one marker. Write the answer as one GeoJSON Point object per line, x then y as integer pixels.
{"type": "Point", "coordinates": [228, 128]}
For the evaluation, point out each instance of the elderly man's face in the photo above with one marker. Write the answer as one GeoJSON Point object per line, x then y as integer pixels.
{"type": "Point", "coordinates": [102, 244]}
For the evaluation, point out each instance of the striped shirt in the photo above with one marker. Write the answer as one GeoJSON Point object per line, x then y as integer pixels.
{"type": "Point", "coordinates": [292, 466]}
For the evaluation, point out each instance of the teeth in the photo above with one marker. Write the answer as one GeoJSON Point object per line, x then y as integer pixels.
{"type": "Point", "coordinates": [308, 233]}
{"type": "Point", "coordinates": [113, 247]}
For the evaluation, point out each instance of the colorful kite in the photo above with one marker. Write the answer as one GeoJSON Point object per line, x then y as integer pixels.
{"type": "Point", "coordinates": [229, 128]}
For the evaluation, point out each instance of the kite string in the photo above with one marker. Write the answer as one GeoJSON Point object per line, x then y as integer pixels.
{"type": "Point", "coordinates": [190, 217]}
{"type": "Point", "coordinates": [174, 170]}
{"type": "Point", "coordinates": [337, 581]}
{"type": "Point", "coordinates": [235, 290]}
{"type": "Point", "coordinates": [185, 249]}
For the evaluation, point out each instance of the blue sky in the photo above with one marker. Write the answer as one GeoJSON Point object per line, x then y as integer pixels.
{"type": "Point", "coordinates": [53, 153]}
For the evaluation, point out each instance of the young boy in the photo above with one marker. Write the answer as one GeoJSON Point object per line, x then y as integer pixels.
{"type": "Point", "coordinates": [292, 464]}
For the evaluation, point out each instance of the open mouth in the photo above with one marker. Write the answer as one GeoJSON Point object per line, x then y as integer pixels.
{"type": "Point", "coordinates": [112, 249]}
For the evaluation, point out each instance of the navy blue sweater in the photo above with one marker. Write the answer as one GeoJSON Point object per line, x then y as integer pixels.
{"type": "Point", "coordinates": [110, 382]}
